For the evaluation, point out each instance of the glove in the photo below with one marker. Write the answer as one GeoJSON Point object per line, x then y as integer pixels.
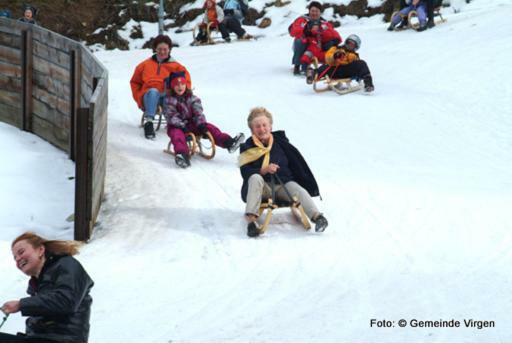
{"type": "Point", "coordinates": [202, 129]}
{"type": "Point", "coordinates": [338, 54]}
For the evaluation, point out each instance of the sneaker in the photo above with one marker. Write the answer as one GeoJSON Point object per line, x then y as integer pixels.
{"type": "Point", "coordinates": [233, 144]}
{"type": "Point", "coordinates": [310, 75]}
{"type": "Point", "coordinates": [296, 69]}
{"type": "Point", "coordinates": [149, 131]}
{"type": "Point", "coordinates": [253, 230]}
{"type": "Point", "coordinates": [182, 160]}
{"type": "Point", "coordinates": [320, 223]}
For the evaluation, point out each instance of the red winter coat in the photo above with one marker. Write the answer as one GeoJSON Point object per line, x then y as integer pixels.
{"type": "Point", "coordinates": [327, 31]}
{"type": "Point", "coordinates": [151, 74]}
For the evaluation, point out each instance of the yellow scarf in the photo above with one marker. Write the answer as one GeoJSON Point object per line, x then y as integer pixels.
{"type": "Point", "coordinates": [252, 154]}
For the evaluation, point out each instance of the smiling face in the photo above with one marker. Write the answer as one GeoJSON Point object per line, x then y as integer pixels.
{"type": "Point", "coordinates": [261, 128]}
{"type": "Point", "coordinates": [28, 259]}
{"type": "Point", "coordinates": [314, 13]}
{"type": "Point", "coordinates": [180, 88]}
{"type": "Point", "coordinates": [28, 13]}
{"type": "Point", "coordinates": [163, 50]}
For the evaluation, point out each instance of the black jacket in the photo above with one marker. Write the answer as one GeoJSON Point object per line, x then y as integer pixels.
{"type": "Point", "coordinates": [59, 305]}
{"type": "Point", "coordinates": [295, 163]}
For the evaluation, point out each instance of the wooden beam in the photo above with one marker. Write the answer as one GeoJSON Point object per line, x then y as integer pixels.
{"type": "Point", "coordinates": [26, 67]}
{"type": "Point", "coordinates": [82, 230]}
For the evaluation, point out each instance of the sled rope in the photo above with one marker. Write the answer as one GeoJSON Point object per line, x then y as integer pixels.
{"type": "Point", "coordinates": [3, 320]}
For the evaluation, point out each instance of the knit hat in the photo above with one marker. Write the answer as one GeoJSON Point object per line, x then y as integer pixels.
{"type": "Point", "coordinates": [177, 77]}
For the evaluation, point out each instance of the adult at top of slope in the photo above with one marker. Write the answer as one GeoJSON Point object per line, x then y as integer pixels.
{"type": "Point", "coordinates": [344, 62]}
{"type": "Point", "coordinates": [313, 35]}
{"type": "Point", "coordinates": [431, 5]}
{"type": "Point", "coordinates": [234, 13]}
{"type": "Point", "coordinates": [268, 153]}
{"type": "Point", "coordinates": [184, 113]}
{"type": "Point", "coordinates": [59, 305]}
{"type": "Point", "coordinates": [147, 82]}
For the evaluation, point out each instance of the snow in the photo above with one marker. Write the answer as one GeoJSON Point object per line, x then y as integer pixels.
{"type": "Point", "coordinates": [415, 181]}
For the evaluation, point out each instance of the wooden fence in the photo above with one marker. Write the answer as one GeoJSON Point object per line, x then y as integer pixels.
{"type": "Point", "coordinates": [55, 88]}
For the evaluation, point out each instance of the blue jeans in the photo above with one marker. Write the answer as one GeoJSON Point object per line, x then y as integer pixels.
{"type": "Point", "coordinates": [299, 48]}
{"type": "Point", "coordinates": [151, 100]}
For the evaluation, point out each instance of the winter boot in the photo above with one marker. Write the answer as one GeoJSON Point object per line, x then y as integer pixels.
{"type": "Point", "coordinates": [320, 223]}
{"type": "Point", "coordinates": [368, 84]}
{"type": "Point", "coordinates": [430, 23]}
{"type": "Point", "coordinates": [310, 75]}
{"type": "Point", "coordinates": [391, 27]}
{"type": "Point", "coordinates": [232, 144]}
{"type": "Point", "coordinates": [253, 230]}
{"type": "Point", "coordinates": [296, 69]}
{"type": "Point", "coordinates": [403, 24]}
{"type": "Point", "coordinates": [422, 27]}
{"type": "Point", "coordinates": [182, 160]}
{"type": "Point", "coordinates": [149, 131]}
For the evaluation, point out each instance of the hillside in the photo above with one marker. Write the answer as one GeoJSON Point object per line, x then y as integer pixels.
{"type": "Point", "coordinates": [415, 181]}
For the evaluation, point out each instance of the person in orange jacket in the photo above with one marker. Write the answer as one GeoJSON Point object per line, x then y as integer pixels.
{"type": "Point", "coordinates": [344, 62]}
{"type": "Point", "coordinates": [147, 82]}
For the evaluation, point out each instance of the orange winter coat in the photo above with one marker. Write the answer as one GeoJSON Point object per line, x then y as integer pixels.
{"type": "Point", "coordinates": [151, 74]}
{"type": "Point", "coordinates": [347, 57]}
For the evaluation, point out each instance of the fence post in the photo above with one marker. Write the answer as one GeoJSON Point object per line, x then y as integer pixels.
{"type": "Point", "coordinates": [82, 230]}
{"type": "Point", "coordinates": [26, 77]}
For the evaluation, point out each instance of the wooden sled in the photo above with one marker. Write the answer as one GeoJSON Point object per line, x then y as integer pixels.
{"type": "Point", "coordinates": [159, 118]}
{"type": "Point", "coordinates": [209, 38]}
{"type": "Point", "coordinates": [339, 86]}
{"type": "Point", "coordinates": [272, 204]}
{"type": "Point", "coordinates": [412, 19]}
{"type": "Point", "coordinates": [204, 147]}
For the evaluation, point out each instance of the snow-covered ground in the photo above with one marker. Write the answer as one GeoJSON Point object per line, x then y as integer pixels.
{"type": "Point", "coordinates": [415, 179]}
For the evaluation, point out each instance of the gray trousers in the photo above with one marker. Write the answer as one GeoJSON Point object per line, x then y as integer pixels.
{"type": "Point", "coordinates": [259, 189]}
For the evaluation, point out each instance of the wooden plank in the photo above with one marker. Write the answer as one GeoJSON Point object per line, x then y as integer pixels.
{"type": "Point", "coordinates": [8, 69]}
{"type": "Point", "coordinates": [52, 55]}
{"type": "Point", "coordinates": [10, 84]}
{"type": "Point", "coordinates": [49, 132]}
{"type": "Point", "coordinates": [53, 101]}
{"type": "Point", "coordinates": [26, 79]}
{"type": "Point", "coordinates": [54, 39]}
{"type": "Point", "coordinates": [10, 40]}
{"type": "Point", "coordinates": [13, 99]}
{"type": "Point", "coordinates": [51, 115]}
{"type": "Point", "coordinates": [10, 55]}
{"type": "Point", "coordinates": [74, 101]}
{"type": "Point", "coordinates": [10, 115]}
{"type": "Point", "coordinates": [82, 229]}
{"type": "Point", "coordinates": [51, 85]}
{"type": "Point", "coordinates": [52, 70]}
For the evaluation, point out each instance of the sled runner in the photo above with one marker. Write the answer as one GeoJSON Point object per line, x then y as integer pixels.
{"type": "Point", "coordinates": [197, 144]}
{"type": "Point", "coordinates": [323, 83]}
{"type": "Point", "coordinates": [272, 204]}
{"type": "Point", "coordinates": [159, 119]}
{"type": "Point", "coordinates": [209, 39]}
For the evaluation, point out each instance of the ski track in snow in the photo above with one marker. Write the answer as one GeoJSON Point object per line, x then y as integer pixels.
{"type": "Point", "coordinates": [415, 181]}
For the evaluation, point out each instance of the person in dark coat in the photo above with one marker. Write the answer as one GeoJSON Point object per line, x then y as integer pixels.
{"type": "Point", "coordinates": [268, 153]}
{"type": "Point", "coordinates": [29, 13]}
{"type": "Point", "coordinates": [59, 305]}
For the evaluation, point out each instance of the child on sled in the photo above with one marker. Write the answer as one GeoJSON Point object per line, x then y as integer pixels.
{"type": "Point", "coordinates": [413, 5]}
{"type": "Point", "coordinates": [343, 62]}
{"type": "Point", "coordinates": [184, 114]}
{"type": "Point", "coordinates": [213, 16]}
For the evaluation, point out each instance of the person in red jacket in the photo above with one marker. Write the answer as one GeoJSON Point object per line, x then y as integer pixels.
{"type": "Point", "coordinates": [147, 82]}
{"type": "Point", "coordinates": [312, 35]}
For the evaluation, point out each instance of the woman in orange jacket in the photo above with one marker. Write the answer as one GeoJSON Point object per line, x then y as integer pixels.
{"type": "Point", "coordinates": [147, 82]}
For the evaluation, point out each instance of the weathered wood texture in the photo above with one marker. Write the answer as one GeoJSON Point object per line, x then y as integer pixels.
{"type": "Point", "coordinates": [46, 81]}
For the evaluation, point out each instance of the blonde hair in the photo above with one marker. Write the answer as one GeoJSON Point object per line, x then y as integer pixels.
{"type": "Point", "coordinates": [258, 112]}
{"type": "Point", "coordinates": [55, 247]}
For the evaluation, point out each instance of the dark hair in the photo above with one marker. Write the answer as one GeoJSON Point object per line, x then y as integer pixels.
{"type": "Point", "coordinates": [315, 4]}
{"type": "Point", "coordinates": [54, 247]}
{"type": "Point", "coordinates": [162, 39]}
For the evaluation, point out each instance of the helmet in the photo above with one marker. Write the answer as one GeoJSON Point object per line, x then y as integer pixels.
{"type": "Point", "coordinates": [355, 39]}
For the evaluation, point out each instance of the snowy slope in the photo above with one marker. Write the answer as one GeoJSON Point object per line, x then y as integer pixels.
{"type": "Point", "coordinates": [415, 181]}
